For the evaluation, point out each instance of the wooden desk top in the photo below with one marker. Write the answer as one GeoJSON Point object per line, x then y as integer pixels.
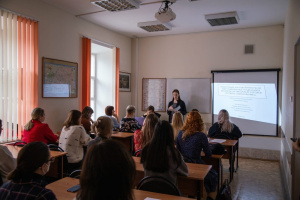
{"type": "Point", "coordinates": [215, 156]}
{"type": "Point", "coordinates": [196, 171]}
{"type": "Point", "coordinates": [60, 190]}
{"type": "Point", "coordinates": [226, 143]}
{"type": "Point", "coordinates": [122, 135]}
{"type": "Point", "coordinates": [15, 150]}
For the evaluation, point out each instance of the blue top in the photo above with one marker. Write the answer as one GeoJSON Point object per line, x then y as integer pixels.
{"type": "Point", "coordinates": [115, 121]}
{"type": "Point", "coordinates": [192, 146]}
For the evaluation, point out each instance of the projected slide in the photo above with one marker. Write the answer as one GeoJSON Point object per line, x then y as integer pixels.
{"type": "Point", "coordinates": [251, 101]}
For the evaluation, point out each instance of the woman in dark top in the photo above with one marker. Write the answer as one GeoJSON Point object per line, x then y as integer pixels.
{"type": "Point", "coordinates": [224, 127]}
{"type": "Point", "coordinates": [103, 128]}
{"type": "Point", "coordinates": [129, 123]}
{"type": "Point", "coordinates": [108, 172]}
{"type": "Point", "coordinates": [86, 119]}
{"type": "Point", "coordinates": [175, 104]}
{"type": "Point", "coordinates": [26, 181]}
{"type": "Point", "coordinates": [191, 141]}
{"type": "Point", "coordinates": [160, 157]}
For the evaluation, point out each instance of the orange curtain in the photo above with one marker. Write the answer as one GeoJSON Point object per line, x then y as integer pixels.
{"type": "Point", "coordinates": [117, 79]}
{"type": "Point", "coordinates": [27, 70]}
{"type": "Point", "coordinates": [86, 72]}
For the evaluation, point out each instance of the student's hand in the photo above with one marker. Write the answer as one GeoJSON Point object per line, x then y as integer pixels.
{"type": "Point", "coordinates": [115, 115]}
{"type": "Point", "coordinates": [170, 108]}
{"type": "Point", "coordinates": [296, 145]}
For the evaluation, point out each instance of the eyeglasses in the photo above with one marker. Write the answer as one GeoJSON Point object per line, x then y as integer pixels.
{"type": "Point", "coordinates": [51, 160]}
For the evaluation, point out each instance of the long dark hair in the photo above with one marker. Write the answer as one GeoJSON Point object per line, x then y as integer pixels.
{"type": "Point", "coordinates": [72, 118]}
{"type": "Point", "coordinates": [177, 91]}
{"type": "Point", "coordinates": [108, 172]}
{"type": "Point", "coordinates": [155, 154]}
{"type": "Point", "coordinates": [87, 111]}
{"type": "Point", "coordinates": [30, 158]}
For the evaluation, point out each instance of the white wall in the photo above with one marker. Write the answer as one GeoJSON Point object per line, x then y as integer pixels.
{"type": "Point", "coordinates": [290, 163]}
{"type": "Point", "coordinates": [195, 55]}
{"type": "Point", "coordinates": [60, 38]}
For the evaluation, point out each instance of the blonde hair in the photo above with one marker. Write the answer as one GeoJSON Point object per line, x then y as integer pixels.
{"type": "Point", "coordinates": [102, 126]}
{"type": "Point", "coordinates": [130, 109]}
{"type": "Point", "coordinates": [177, 123]}
{"type": "Point", "coordinates": [224, 121]}
{"type": "Point", "coordinates": [35, 115]}
{"type": "Point", "coordinates": [193, 123]}
{"type": "Point", "coordinates": [148, 129]}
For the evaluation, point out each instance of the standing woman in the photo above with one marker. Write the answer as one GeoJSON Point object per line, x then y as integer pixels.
{"type": "Point", "coordinates": [224, 127]}
{"type": "Point", "coordinates": [26, 181]}
{"type": "Point", "coordinates": [108, 172]}
{"type": "Point", "coordinates": [110, 112]}
{"type": "Point", "coordinates": [73, 138]}
{"type": "Point", "coordinates": [191, 141]}
{"type": "Point", "coordinates": [86, 120]}
{"type": "Point", "coordinates": [176, 105]}
{"type": "Point", "coordinates": [129, 123]}
{"type": "Point", "coordinates": [160, 157]}
{"type": "Point", "coordinates": [144, 136]}
{"type": "Point", "coordinates": [177, 123]}
{"type": "Point", "coordinates": [36, 130]}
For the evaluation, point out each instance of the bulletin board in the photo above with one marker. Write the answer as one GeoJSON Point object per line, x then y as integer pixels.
{"type": "Point", "coordinates": [154, 93]}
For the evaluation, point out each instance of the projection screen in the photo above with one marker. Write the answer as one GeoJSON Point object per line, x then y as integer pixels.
{"type": "Point", "coordinates": [250, 97]}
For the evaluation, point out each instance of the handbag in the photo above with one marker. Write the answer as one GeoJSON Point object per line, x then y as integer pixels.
{"type": "Point", "coordinates": [225, 191]}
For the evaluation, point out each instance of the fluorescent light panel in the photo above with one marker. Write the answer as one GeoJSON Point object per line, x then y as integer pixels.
{"type": "Point", "coordinates": [220, 19]}
{"type": "Point", "coordinates": [154, 26]}
{"type": "Point", "coordinates": [116, 5]}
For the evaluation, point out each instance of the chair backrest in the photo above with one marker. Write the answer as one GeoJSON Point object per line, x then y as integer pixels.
{"type": "Point", "coordinates": [75, 173]}
{"type": "Point", "coordinates": [54, 147]}
{"type": "Point", "coordinates": [20, 143]}
{"type": "Point", "coordinates": [159, 185]}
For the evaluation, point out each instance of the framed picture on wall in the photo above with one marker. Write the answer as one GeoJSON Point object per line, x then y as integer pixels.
{"type": "Point", "coordinates": [124, 82]}
{"type": "Point", "coordinates": [59, 78]}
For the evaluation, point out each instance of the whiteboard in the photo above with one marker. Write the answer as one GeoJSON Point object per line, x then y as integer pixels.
{"type": "Point", "coordinates": [195, 92]}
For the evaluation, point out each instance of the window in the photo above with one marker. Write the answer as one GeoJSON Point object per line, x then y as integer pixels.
{"type": "Point", "coordinates": [18, 72]}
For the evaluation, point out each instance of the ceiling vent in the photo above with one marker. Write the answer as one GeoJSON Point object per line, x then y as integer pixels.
{"type": "Point", "coordinates": [116, 5]}
{"type": "Point", "coordinates": [154, 26]}
{"type": "Point", "coordinates": [220, 19]}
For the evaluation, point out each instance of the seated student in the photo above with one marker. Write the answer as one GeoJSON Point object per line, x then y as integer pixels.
{"type": "Point", "coordinates": [110, 112]}
{"type": "Point", "coordinates": [224, 127]}
{"type": "Point", "coordinates": [150, 110]}
{"type": "Point", "coordinates": [26, 181]}
{"type": "Point", "coordinates": [144, 136]}
{"type": "Point", "coordinates": [177, 123]}
{"type": "Point", "coordinates": [73, 138]}
{"type": "Point", "coordinates": [86, 120]}
{"type": "Point", "coordinates": [102, 127]}
{"type": "Point", "coordinates": [7, 161]}
{"type": "Point", "coordinates": [160, 157]}
{"type": "Point", "coordinates": [129, 123]}
{"type": "Point", "coordinates": [36, 130]}
{"type": "Point", "coordinates": [108, 172]}
{"type": "Point", "coordinates": [296, 145]}
{"type": "Point", "coordinates": [191, 141]}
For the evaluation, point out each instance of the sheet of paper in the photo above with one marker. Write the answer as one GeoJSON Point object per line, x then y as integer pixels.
{"type": "Point", "coordinates": [217, 140]}
{"type": "Point", "coordinates": [175, 109]}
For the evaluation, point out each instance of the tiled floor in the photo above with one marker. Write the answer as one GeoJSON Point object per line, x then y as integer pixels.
{"type": "Point", "coordinates": [255, 180]}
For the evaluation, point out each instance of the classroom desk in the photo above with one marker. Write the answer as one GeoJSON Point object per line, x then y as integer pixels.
{"type": "Point", "coordinates": [56, 168]}
{"type": "Point", "coordinates": [228, 145]}
{"type": "Point", "coordinates": [60, 190]}
{"type": "Point", "coordinates": [191, 185]}
{"type": "Point", "coordinates": [216, 162]}
{"type": "Point", "coordinates": [126, 139]}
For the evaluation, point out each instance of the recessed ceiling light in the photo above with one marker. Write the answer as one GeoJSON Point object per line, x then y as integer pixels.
{"type": "Point", "coordinates": [154, 26]}
{"type": "Point", "coordinates": [116, 5]}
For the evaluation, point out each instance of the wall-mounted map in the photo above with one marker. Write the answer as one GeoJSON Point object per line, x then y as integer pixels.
{"type": "Point", "coordinates": [59, 78]}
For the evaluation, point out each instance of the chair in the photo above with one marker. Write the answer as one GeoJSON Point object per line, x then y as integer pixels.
{"type": "Point", "coordinates": [159, 185]}
{"type": "Point", "coordinates": [137, 153]}
{"type": "Point", "coordinates": [19, 143]}
{"type": "Point", "coordinates": [54, 147]}
{"type": "Point", "coordinates": [75, 174]}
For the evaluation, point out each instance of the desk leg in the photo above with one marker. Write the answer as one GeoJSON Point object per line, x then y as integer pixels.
{"type": "Point", "coordinates": [199, 190]}
{"type": "Point", "coordinates": [237, 156]}
{"type": "Point", "coordinates": [62, 166]}
{"type": "Point", "coordinates": [231, 164]}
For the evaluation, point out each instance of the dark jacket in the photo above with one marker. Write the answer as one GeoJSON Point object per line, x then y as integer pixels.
{"type": "Point", "coordinates": [215, 130]}
{"type": "Point", "coordinates": [182, 108]}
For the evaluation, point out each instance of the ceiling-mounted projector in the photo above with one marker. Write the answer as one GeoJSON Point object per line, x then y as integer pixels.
{"type": "Point", "coordinates": [165, 14]}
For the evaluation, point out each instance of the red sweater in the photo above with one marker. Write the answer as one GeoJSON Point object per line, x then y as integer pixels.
{"type": "Point", "coordinates": [39, 132]}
